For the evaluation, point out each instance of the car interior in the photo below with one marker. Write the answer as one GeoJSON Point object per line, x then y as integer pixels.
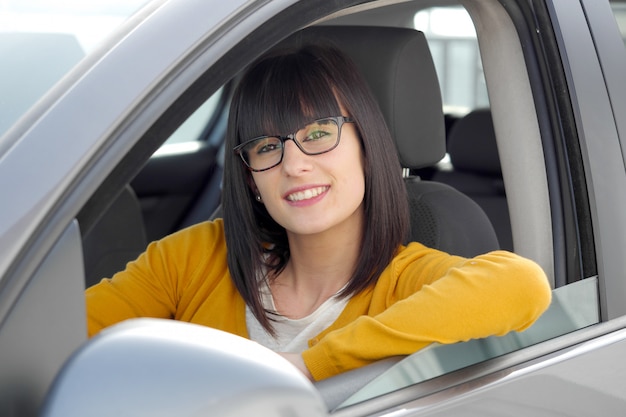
{"type": "Point", "coordinates": [448, 207]}
{"type": "Point", "coordinates": [455, 210]}
{"type": "Point", "coordinates": [441, 216]}
{"type": "Point", "coordinates": [475, 169]}
{"type": "Point", "coordinates": [403, 78]}
{"type": "Point", "coordinates": [473, 203]}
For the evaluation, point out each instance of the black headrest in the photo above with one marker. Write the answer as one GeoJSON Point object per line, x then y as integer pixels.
{"type": "Point", "coordinates": [472, 144]}
{"type": "Point", "coordinates": [397, 64]}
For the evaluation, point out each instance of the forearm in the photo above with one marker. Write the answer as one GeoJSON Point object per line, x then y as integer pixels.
{"type": "Point", "coordinates": [489, 295]}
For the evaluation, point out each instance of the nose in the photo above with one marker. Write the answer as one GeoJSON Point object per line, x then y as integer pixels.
{"type": "Point", "coordinates": [294, 160]}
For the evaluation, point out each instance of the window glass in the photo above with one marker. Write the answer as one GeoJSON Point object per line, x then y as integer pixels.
{"type": "Point", "coordinates": [619, 10]}
{"type": "Point", "coordinates": [194, 127]}
{"type": "Point", "coordinates": [452, 39]}
{"type": "Point", "coordinates": [573, 307]}
{"type": "Point", "coordinates": [42, 40]}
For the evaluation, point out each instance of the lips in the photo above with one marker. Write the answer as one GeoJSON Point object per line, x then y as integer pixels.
{"type": "Point", "coordinates": [307, 194]}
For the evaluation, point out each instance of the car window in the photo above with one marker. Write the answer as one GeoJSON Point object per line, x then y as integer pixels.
{"type": "Point", "coordinates": [454, 47]}
{"type": "Point", "coordinates": [41, 41]}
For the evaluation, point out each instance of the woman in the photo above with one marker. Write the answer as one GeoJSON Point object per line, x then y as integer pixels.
{"type": "Point", "coordinates": [308, 259]}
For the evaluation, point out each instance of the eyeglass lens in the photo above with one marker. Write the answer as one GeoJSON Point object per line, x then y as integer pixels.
{"type": "Point", "coordinates": [315, 138]}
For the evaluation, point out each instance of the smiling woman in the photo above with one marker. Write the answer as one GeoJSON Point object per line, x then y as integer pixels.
{"type": "Point", "coordinates": [322, 83]}
{"type": "Point", "coordinates": [309, 255]}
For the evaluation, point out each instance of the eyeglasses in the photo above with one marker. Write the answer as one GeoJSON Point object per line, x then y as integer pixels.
{"type": "Point", "coordinates": [265, 152]}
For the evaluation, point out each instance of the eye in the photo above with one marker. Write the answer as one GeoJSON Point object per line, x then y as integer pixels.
{"type": "Point", "coordinates": [316, 134]}
{"type": "Point", "coordinates": [267, 145]}
{"type": "Point", "coordinates": [320, 130]}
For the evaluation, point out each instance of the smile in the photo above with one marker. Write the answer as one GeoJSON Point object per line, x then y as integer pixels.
{"type": "Point", "coordinates": [306, 194]}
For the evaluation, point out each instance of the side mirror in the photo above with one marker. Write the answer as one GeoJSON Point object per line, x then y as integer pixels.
{"type": "Point", "coordinates": [154, 367]}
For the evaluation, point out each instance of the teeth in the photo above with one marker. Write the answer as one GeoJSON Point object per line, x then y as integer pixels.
{"type": "Point", "coordinates": [306, 194]}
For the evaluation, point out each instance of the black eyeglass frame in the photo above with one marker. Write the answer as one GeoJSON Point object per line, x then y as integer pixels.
{"type": "Point", "coordinates": [339, 120]}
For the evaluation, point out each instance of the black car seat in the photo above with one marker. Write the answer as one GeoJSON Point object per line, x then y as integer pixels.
{"type": "Point", "coordinates": [113, 238]}
{"type": "Point", "coordinates": [476, 170]}
{"type": "Point", "coordinates": [398, 66]}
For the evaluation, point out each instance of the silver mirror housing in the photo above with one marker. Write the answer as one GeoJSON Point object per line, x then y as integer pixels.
{"type": "Point", "coordinates": [154, 367]}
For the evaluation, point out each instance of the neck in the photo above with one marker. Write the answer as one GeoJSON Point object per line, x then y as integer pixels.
{"type": "Point", "coordinates": [319, 266]}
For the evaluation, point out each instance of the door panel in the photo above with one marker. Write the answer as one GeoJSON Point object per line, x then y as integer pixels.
{"type": "Point", "coordinates": [583, 381]}
{"type": "Point", "coordinates": [47, 323]}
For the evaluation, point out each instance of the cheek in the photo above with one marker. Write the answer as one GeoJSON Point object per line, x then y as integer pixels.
{"type": "Point", "coordinates": [265, 185]}
{"type": "Point", "coordinates": [259, 181]}
{"type": "Point", "coordinates": [354, 174]}
{"type": "Point", "coordinates": [359, 185]}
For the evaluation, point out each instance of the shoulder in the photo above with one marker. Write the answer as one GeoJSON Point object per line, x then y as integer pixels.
{"type": "Point", "coordinates": [415, 250]}
{"type": "Point", "coordinates": [418, 256]}
{"type": "Point", "coordinates": [413, 266]}
{"type": "Point", "coordinates": [205, 237]}
{"type": "Point", "coordinates": [208, 230]}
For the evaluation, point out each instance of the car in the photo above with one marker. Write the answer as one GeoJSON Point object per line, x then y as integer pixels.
{"type": "Point", "coordinates": [111, 135]}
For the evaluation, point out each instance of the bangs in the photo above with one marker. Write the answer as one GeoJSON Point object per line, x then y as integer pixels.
{"type": "Point", "coordinates": [283, 94]}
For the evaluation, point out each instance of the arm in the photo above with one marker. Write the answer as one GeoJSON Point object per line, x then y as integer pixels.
{"type": "Point", "coordinates": [141, 290]}
{"type": "Point", "coordinates": [491, 294]}
{"type": "Point", "coordinates": [169, 280]}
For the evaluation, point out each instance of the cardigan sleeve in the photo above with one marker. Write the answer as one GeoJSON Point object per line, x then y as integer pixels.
{"type": "Point", "coordinates": [491, 294]}
{"type": "Point", "coordinates": [153, 285]}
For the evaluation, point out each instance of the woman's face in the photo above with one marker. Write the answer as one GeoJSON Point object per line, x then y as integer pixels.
{"type": "Point", "coordinates": [311, 194]}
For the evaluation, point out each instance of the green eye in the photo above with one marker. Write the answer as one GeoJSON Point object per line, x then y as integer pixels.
{"type": "Point", "coordinates": [316, 135]}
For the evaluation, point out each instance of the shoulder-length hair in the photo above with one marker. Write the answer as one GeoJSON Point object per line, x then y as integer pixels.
{"type": "Point", "coordinates": [278, 94]}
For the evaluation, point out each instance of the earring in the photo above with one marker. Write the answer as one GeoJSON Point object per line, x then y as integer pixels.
{"type": "Point", "coordinates": [258, 198]}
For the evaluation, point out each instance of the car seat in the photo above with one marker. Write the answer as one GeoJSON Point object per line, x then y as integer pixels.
{"type": "Point", "coordinates": [113, 238]}
{"type": "Point", "coordinates": [476, 170]}
{"type": "Point", "coordinates": [398, 66]}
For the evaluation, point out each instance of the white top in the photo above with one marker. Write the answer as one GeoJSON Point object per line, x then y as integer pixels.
{"type": "Point", "coordinates": [292, 335]}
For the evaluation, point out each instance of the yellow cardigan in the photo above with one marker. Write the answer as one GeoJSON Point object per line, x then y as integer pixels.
{"type": "Point", "coordinates": [423, 296]}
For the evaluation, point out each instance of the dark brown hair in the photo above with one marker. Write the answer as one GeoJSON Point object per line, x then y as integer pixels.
{"type": "Point", "coordinates": [278, 94]}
